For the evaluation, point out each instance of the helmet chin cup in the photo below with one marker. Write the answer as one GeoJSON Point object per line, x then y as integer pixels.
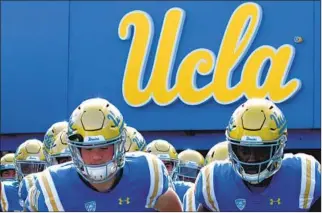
{"type": "Point", "coordinates": [101, 173]}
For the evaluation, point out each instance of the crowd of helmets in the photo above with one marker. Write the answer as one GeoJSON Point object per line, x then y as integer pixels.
{"type": "Point", "coordinates": [254, 150]}
{"type": "Point", "coordinates": [34, 155]}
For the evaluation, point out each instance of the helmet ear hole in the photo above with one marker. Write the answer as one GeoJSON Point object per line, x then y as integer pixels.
{"type": "Point", "coordinates": [76, 137]}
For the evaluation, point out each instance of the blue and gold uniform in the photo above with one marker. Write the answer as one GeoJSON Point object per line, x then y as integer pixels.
{"type": "Point", "coordinates": [258, 175]}
{"type": "Point", "coordinates": [25, 186]}
{"type": "Point", "coordinates": [9, 196]}
{"type": "Point", "coordinates": [189, 201]}
{"type": "Point", "coordinates": [295, 187]}
{"type": "Point", "coordinates": [181, 188]}
{"type": "Point", "coordinates": [143, 181]}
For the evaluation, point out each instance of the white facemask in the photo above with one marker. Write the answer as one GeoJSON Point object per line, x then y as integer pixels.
{"type": "Point", "coordinates": [100, 173]}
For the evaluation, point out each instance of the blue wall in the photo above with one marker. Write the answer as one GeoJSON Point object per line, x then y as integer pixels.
{"type": "Point", "coordinates": [56, 54]}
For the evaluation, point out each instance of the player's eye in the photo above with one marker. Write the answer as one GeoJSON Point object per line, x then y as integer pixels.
{"type": "Point", "coordinates": [244, 150]}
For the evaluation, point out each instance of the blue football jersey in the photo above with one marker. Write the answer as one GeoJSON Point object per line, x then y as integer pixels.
{"type": "Point", "coordinates": [181, 188]}
{"type": "Point", "coordinates": [24, 187]}
{"type": "Point", "coordinates": [59, 188]}
{"type": "Point", "coordinates": [295, 187]}
{"type": "Point", "coordinates": [9, 196]}
{"type": "Point", "coordinates": [189, 201]}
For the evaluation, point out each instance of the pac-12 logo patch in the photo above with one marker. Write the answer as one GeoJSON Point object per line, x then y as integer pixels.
{"type": "Point", "coordinates": [90, 206]}
{"type": "Point", "coordinates": [240, 203]}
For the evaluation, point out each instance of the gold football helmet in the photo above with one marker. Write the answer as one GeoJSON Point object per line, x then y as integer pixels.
{"type": "Point", "coordinates": [217, 152]}
{"type": "Point", "coordinates": [59, 151]}
{"type": "Point", "coordinates": [52, 132]}
{"type": "Point", "coordinates": [134, 140]}
{"type": "Point", "coordinates": [257, 134]}
{"type": "Point", "coordinates": [49, 146]}
{"type": "Point", "coordinates": [190, 163]}
{"type": "Point", "coordinates": [29, 158]}
{"type": "Point", "coordinates": [96, 123]}
{"type": "Point", "coordinates": [165, 152]}
{"type": "Point", "coordinates": [7, 163]}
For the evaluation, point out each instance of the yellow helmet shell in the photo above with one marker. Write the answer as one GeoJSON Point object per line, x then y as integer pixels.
{"type": "Point", "coordinates": [7, 161]}
{"type": "Point", "coordinates": [163, 149]}
{"type": "Point", "coordinates": [58, 149]}
{"type": "Point", "coordinates": [96, 119]}
{"type": "Point", "coordinates": [191, 156]}
{"type": "Point", "coordinates": [61, 147]}
{"type": "Point", "coordinates": [218, 152]}
{"type": "Point", "coordinates": [30, 150]}
{"type": "Point", "coordinates": [134, 140]}
{"type": "Point", "coordinates": [257, 120]}
{"type": "Point", "coordinates": [52, 132]}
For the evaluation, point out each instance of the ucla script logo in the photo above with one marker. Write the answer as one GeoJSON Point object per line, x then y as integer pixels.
{"type": "Point", "coordinates": [240, 32]}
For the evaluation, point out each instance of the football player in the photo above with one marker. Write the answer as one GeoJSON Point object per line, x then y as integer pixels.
{"type": "Point", "coordinates": [9, 189]}
{"type": "Point", "coordinates": [102, 177]}
{"type": "Point", "coordinates": [259, 177]}
{"type": "Point", "coordinates": [134, 140]}
{"type": "Point", "coordinates": [53, 131]}
{"type": "Point", "coordinates": [216, 153]}
{"type": "Point", "coordinates": [7, 167]}
{"type": "Point", "coordinates": [55, 150]}
{"type": "Point", "coordinates": [28, 159]}
{"type": "Point", "coordinates": [165, 152]}
{"type": "Point", "coordinates": [189, 164]}
{"type": "Point", "coordinates": [59, 152]}
{"type": "Point", "coordinates": [55, 145]}
{"type": "Point", "coordinates": [9, 200]}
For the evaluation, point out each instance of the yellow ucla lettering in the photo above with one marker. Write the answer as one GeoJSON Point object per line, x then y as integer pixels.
{"type": "Point", "coordinates": [165, 56]}
{"type": "Point", "coordinates": [239, 35]}
{"type": "Point", "coordinates": [133, 93]}
{"type": "Point", "coordinates": [201, 61]}
{"type": "Point", "coordinates": [240, 32]}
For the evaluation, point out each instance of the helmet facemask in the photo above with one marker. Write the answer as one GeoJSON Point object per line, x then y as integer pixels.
{"type": "Point", "coordinates": [57, 158]}
{"type": "Point", "coordinates": [26, 167]}
{"type": "Point", "coordinates": [103, 172]}
{"type": "Point", "coordinates": [165, 158]}
{"type": "Point", "coordinates": [270, 154]}
{"type": "Point", "coordinates": [187, 171]}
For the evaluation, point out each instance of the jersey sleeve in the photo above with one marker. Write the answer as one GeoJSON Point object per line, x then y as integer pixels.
{"type": "Point", "coordinates": [204, 188]}
{"type": "Point", "coordinates": [189, 204]}
{"type": "Point", "coordinates": [44, 196]}
{"type": "Point", "coordinates": [310, 180]}
{"type": "Point", "coordinates": [317, 190]}
{"type": "Point", "coordinates": [3, 199]}
{"type": "Point", "coordinates": [160, 180]}
{"type": "Point", "coordinates": [35, 201]}
{"type": "Point", "coordinates": [22, 192]}
{"type": "Point", "coordinates": [24, 187]}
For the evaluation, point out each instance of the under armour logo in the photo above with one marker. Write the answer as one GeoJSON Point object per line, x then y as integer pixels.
{"type": "Point", "coordinates": [126, 201]}
{"type": "Point", "coordinates": [272, 202]}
